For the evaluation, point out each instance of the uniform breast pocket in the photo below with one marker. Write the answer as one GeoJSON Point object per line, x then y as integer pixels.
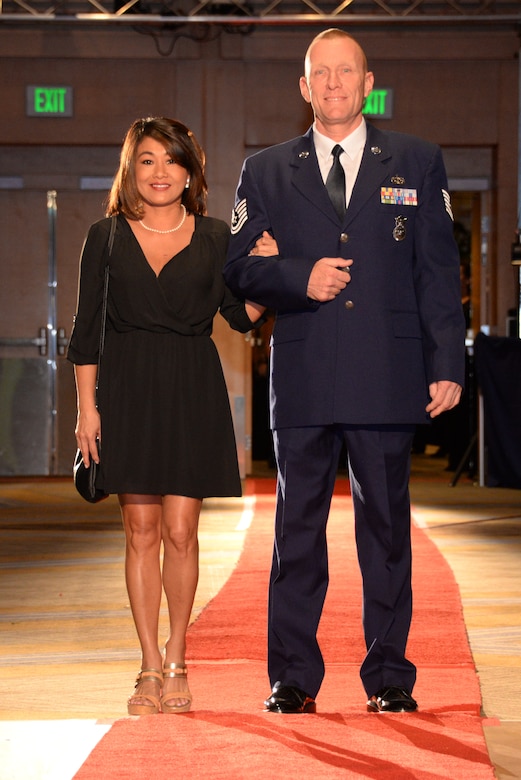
{"type": "Point", "coordinates": [396, 225]}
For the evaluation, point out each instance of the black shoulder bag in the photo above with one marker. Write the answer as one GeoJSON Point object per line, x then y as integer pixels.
{"type": "Point", "coordinates": [85, 478]}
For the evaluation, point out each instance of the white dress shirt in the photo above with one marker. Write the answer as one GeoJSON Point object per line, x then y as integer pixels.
{"type": "Point", "coordinates": [353, 146]}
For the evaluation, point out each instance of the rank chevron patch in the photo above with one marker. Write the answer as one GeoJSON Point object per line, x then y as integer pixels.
{"type": "Point", "coordinates": [448, 207]}
{"type": "Point", "coordinates": [239, 216]}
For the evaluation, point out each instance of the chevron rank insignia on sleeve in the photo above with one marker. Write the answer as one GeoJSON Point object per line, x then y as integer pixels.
{"type": "Point", "coordinates": [448, 207]}
{"type": "Point", "coordinates": [239, 216]}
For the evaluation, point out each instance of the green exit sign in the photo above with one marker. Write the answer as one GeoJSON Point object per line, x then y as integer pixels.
{"type": "Point", "coordinates": [379, 104]}
{"type": "Point", "coordinates": [48, 101]}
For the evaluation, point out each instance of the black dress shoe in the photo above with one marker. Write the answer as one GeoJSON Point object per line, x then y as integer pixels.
{"type": "Point", "coordinates": [392, 700]}
{"type": "Point", "coordinates": [290, 700]}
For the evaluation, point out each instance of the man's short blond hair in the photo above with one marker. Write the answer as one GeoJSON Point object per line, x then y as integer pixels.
{"type": "Point", "coordinates": [334, 32]}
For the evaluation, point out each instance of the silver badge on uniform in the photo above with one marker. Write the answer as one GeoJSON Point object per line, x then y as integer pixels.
{"type": "Point", "coordinates": [397, 180]}
{"type": "Point", "coordinates": [399, 231]}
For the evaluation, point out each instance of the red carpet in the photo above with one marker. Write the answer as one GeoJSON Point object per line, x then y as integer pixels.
{"type": "Point", "coordinates": [229, 736]}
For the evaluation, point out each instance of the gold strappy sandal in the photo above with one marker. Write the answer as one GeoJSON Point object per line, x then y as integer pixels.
{"type": "Point", "coordinates": [168, 705]}
{"type": "Point", "coordinates": [149, 704]}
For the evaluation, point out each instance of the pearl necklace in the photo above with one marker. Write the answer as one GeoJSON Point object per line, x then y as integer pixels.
{"type": "Point", "coordinates": [172, 230]}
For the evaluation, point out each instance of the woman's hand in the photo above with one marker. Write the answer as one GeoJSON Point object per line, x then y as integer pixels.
{"type": "Point", "coordinates": [88, 433]}
{"type": "Point", "coordinates": [266, 246]}
{"type": "Point", "coordinates": [88, 424]}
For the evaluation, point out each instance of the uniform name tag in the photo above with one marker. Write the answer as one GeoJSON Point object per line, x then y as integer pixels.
{"type": "Point", "coordinates": [398, 196]}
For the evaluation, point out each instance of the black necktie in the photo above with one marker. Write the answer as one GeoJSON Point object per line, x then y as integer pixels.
{"type": "Point", "coordinates": [336, 183]}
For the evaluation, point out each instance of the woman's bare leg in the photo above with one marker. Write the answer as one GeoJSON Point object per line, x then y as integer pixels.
{"type": "Point", "coordinates": [180, 521]}
{"type": "Point", "coordinates": [142, 523]}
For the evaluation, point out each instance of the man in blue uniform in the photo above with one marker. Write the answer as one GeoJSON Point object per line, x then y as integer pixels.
{"type": "Point", "coordinates": [363, 273]}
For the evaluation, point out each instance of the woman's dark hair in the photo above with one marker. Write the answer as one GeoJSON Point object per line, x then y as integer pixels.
{"type": "Point", "coordinates": [184, 149]}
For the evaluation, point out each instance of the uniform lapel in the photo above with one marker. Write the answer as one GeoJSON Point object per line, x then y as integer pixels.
{"type": "Point", "coordinates": [306, 175]}
{"type": "Point", "coordinates": [374, 169]}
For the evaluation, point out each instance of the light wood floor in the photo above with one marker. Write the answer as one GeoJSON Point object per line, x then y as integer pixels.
{"type": "Point", "coordinates": [478, 530]}
{"type": "Point", "coordinates": [67, 643]}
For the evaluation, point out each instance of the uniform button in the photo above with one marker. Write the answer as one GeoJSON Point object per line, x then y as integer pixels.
{"type": "Point", "coordinates": [344, 238]}
{"type": "Point", "coordinates": [349, 305]}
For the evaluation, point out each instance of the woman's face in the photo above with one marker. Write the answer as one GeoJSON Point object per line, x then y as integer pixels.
{"type": "Point", "coordinates": [159, 179]}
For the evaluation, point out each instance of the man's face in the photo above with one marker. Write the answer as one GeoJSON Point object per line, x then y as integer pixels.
{"type": "Point", "coordinates": [336, 83]}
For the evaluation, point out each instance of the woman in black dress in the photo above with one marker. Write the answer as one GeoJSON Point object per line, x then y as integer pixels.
{"type": "Point", "coordinates": [164, 424]}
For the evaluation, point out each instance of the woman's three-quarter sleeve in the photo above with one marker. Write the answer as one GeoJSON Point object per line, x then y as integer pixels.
{"type": "Point", "coordinates": [84, 342]}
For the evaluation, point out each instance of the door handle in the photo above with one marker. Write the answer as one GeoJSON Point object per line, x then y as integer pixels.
{"type": "Point", "coordinates": [39, 341]}
{"type": "Point", "coordinates": [62, 341]}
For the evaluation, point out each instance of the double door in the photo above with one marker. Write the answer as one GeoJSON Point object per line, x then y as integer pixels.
{"type": "Point", "coordinates": [42, 233]}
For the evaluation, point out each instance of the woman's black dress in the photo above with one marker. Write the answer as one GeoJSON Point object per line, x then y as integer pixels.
{"type": "Point", "coordinates": [165, 416]}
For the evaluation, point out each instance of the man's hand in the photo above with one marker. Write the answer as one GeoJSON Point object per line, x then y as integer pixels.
{"type": "Point", "coordinates": [445, 395]}
{"type": "Point", "coordinates": [329, 276]}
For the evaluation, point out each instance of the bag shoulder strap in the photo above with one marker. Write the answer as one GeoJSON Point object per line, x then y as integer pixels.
{"type": "Point", "coordinates": [113, 224]}
{"type": "Point", "coordinates": [106, 291]}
